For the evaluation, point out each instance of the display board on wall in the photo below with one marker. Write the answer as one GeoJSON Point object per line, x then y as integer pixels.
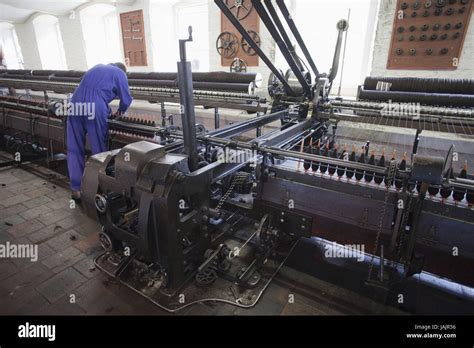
{"type": "Point", "coordinates": [229, 43]}
{"type": "Point", "coordinates": [428, 34]}
{"type": "Point", "coordinates": [133, 38]}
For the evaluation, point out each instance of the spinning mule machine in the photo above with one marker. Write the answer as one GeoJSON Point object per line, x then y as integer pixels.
{"type": "Point", "coordinates": [191, 215]}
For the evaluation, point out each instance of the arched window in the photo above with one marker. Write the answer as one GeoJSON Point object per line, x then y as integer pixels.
{"type": "Point", "coordinates": [101, 34]}
{"type": "Point", "coordinates": [9, 47]}
{"type": "Point", "coordinates": [50, 43]}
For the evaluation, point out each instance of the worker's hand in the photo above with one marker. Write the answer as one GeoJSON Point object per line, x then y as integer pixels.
{"type": "Point", "coordinates": [115, 115]}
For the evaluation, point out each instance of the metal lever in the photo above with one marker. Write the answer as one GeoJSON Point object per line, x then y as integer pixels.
{"type": "Point", "coordinates": [342, 26]}
{"type": "Point", "coordinates": [186, 95]}
{"type": "Point", "coordinates": [182, 44]}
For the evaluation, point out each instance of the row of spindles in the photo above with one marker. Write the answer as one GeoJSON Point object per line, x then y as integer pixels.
{"type": "Point", "coordinates": [331, 150]}
{"type": "Point", "coordinates": [145, 120]}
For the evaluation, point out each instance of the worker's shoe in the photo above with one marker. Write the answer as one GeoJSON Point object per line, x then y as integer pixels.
{"type": "Point", "coordinates": [76, 196]}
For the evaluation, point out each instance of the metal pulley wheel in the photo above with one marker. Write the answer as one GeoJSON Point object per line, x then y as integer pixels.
{"type": "Point", "coordinates": [200, 129]}
{"type": "Point", "coordinates": [100, 203]}
{"type": "Point", "coordinates": [245, 45]}
{"type": "Point", "coordinates": [239, 8]}
{"type": "Point", "coordinates": [227, 44]}
{"type": "Point", "coordinates": [342, 25]}
{"type": "Point", "coordinates": [274, 84]}
{"type": "Point", "coordinates": [206, 277]}
{"type": "Point", "coordinates": [105, 241]}
{"type": "Point", "coordinates": [238, 65]}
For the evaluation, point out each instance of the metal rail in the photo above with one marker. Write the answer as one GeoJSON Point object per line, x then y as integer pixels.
{"type": "Point", "coordinates": [442, 111]}
{"type": "Point", "coordinates": [293, 154]}
{"type": "Point", "coordinates": [208, 98]}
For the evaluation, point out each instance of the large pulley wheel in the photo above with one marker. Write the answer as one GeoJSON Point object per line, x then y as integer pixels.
{"type": "Point", "coordinates": [274, 84]}
{"type": "Point", "coordinates": [239, 8]}
{"type": "Point", "coordinates": [106, 241]}
{"type": "Point", "coordinates": [238, 65]}
{"type": "Point", "coordinates": [273, 80]}
{"type": "Point", "coordinates": [227, 44]}
{"type": "Point", "coordinates": [206, 277]}
{"type": "Point", "coordinates": [245, 45]}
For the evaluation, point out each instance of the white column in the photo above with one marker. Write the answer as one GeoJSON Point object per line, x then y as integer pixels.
{"type": "Point", "coordinates": [28, 45]}
{"type": "Point", "coordinates": [73, 41]}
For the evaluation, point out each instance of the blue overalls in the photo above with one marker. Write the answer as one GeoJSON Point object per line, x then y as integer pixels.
{"type": "Point", "coordinates": [98, 87]}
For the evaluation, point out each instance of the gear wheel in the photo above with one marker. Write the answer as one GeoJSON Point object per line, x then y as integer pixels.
{"type": "Point", "coordinates": [206, 277]}
{"type": "Point", "coordinates": [239, 8]}
{"type": "Point", "coordinates": [227, 44]}
{"type": "Point", "coordinates": [238, 65]}
{"type": "Point", "coordinates": [245, 45]}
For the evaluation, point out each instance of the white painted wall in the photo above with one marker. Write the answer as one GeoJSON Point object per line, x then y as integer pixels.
{"type": "Point", "coordinates": [163, 28]}
{"type": "Point", "coordinates": [382, 45]}
{"type": "Point", "coordinates": [29, 45]}
{"type": "Point", "coordinates": [191, 13]}
{"type": "Point", "coordinates": [73, 40]}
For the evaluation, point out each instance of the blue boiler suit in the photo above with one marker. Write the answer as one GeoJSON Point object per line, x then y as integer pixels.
{"type": "Point", "coordinates": [99, 86]}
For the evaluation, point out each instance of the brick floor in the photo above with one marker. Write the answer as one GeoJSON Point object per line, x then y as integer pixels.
{"type": "Point", "coordinates": [33, 210]}
{"type": "Point", "coordinates": [12, 210]}
{"type": "Point", "coordinates": [61, 284]}
{"type": "Point", "coordinates": [15, 200]}
{"type": "Point", "coordinates": [24, 228]}
{"type": "Point", "coordinates": [63, 259]}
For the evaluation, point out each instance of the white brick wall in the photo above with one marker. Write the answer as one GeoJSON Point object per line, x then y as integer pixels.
{"type": "Point", "coordinates": [28, 44]}
{"type": "Point", "coordinates": [382, 46]}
